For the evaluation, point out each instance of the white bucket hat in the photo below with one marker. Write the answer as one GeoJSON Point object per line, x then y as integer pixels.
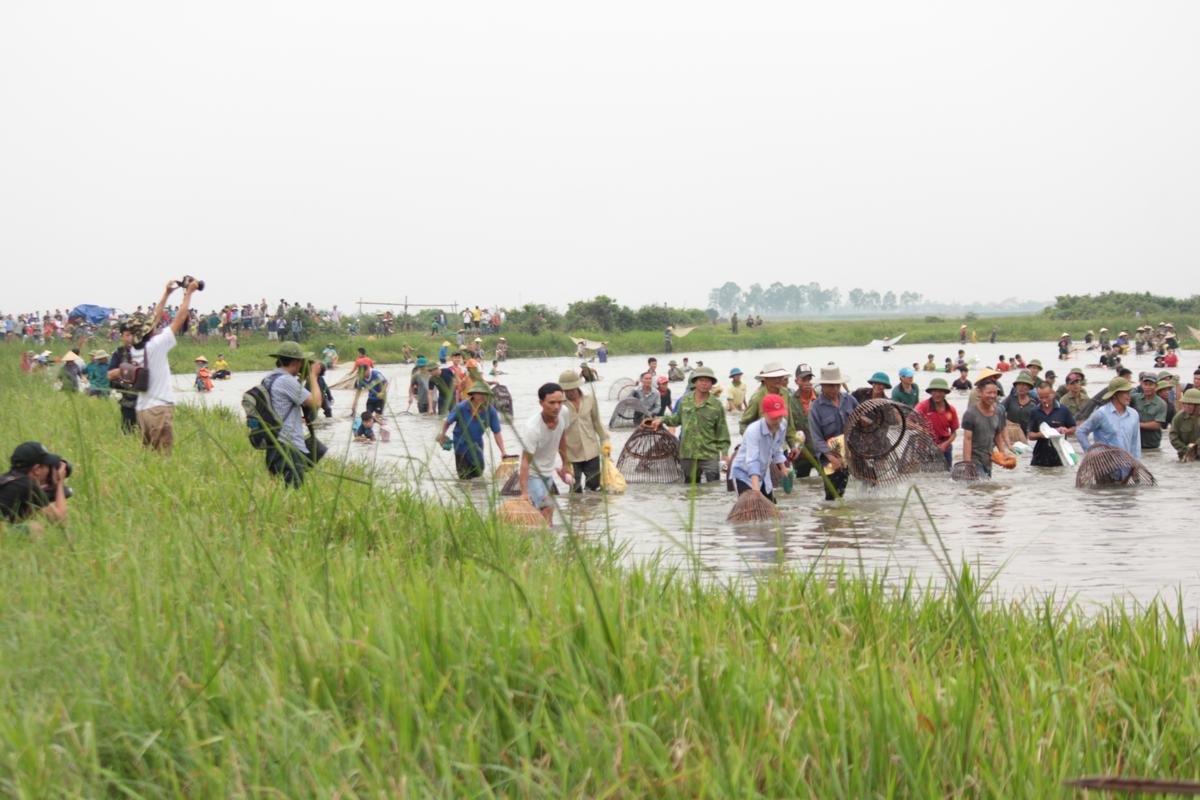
{"type": "Point", "coordinates": [772, 369]}
{"type": "Point", "coordinates": [831, 374]}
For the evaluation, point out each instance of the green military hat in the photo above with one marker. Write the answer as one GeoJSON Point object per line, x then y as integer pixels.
{"type": "Point", "coordinates": [702, 372]}
{"type": "Point", "coordinates": [291, 350]}
{"type": "Point", "coordinates": [1117, 385]}
{"type": "Point", "coordinates": [1025, 378]}
{"type": "Point", "coordinates": [938, 385]}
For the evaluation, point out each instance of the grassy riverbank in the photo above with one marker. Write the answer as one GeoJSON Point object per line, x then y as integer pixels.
{"type": "Point", "coordinates": [942, 337]}
{"type": "Point", "coordinates": [195, 631]}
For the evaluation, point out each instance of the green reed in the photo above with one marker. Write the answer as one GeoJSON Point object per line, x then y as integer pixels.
{"type": "Point", "coordinates": [194, 630]}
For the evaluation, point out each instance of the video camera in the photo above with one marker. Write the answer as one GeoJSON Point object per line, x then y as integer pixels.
{"type": "Point", "coordinates": [188, 279]}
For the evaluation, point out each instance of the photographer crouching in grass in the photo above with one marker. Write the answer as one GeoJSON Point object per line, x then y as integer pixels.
{"type": "Point", "coordinates": [36, 483]}
{"type": "Point", "coordinates": [294, 406]}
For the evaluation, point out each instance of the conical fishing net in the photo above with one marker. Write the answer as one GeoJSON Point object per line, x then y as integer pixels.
{"type": "Point", "coordinates": [752, 507]}
{"type": "Point", "coordinates": [522, 512]}
{"type": "Point", "coordinates": [1110, 466]}
{"type": "Point", "coordinates": [614, 390]}
{"type": "Point", "coordinates": [887, 441]}
{"type": "Point", "coordinates": [626, 392]}
{"type": "Point", "coordinates": [964, 471]}
{"type": "Point", "coordinates": [502, 399]}
{"type": "Point", "coordinates": [625, 415]}
{"type": "Point", "coordinates": [650, 457]}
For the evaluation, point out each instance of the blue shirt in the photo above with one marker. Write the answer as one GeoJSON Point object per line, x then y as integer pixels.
{"type": "Point", "coordinates": [1108, 427]}
{"type": "Point", "coordinates": [760, 449]}
{"type": "Point", "coordinates": [469, 428]}
{"type": "Point", "coordinates": [374, 383]}
{"type": "Point", "coordinates": [1044, 454]}
{"type": "Point", "coordinates": [827, 420]}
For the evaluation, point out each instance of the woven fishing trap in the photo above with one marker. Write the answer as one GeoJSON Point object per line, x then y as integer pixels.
{"type": "Point", "coordinates": [502, 399]}
{"type": "Point", "coordinates": [650, 457]}
{"type": "Point", "coordinates": [1110, 466]}
{"type": "Point", "coordinates": [886, 442]}
{"type": "Point", "coordinates": [619, 385]}
{"type": "Point", "coordinates": [626, 414]}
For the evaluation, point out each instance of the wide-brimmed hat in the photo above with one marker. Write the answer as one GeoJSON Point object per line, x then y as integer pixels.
{"type": "Point", "coordinates": [986, 374]}
{"type": "Point", "coordinates": [831, 373]}
{"type": "Point", "coordinates": [938, 385]}
{"type": "Point", "coordinates": [569, 379]}
{"type": "Point", "coordinates": [478, 339]}
{"type": "Point", "coordinates": [1076, 371]}
{"type": "Point", "coordinates": [445, 343]}
{"type": "Point", "coordinates": [291, 350]}
{"type": "Point", "coordinates": [735, 371]}
{"type": "Point", "coordinates": [1116, 385]}
{"type": "Point", "coordinates": [1191, 396]}
{"type": "Point", "coordinates": [1164, 383]}
{"type": "Point", "coordinates": [672, 363]}
{"type": "Point", "coordinates": [702, 372]}
{"type": "Point", "coordinates": [1034, 363]}
{"type": "Point", "coordinates": [200, 358]}
{"type": "Point", "coordinates": [772, 369]}
{"type": "Point", "coordinates": [96, 354]}
{"type": "Point", "coordinates": [1025, 378]}
{"type": "Point", "coordinates": [881, 377]}
{"type": "Point", "coordinates": [479, 387]}
{"type": "Point", "coordinates": [1104, 330]}
{"type": "Point", "coordinates": [1065, 335]}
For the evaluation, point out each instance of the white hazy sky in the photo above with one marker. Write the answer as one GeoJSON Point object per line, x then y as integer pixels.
{"type": "Point", "coordinates": [506, 152]}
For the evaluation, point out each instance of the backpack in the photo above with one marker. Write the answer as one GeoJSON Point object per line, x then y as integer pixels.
{"type": "Point", "coordinates": [262, 423]}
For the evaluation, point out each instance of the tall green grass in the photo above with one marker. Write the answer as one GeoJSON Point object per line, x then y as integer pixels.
{"type": "Point", "coordinates": [194, 630]}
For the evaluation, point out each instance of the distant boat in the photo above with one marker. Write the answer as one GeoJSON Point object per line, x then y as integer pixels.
{"type": "Point", "coordinates": [886, 343]}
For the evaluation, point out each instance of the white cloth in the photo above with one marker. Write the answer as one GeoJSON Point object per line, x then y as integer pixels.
{"type": "Point", "coordinates": [158, 390]}
{"type": "Point", "coordinates": [542, 443]}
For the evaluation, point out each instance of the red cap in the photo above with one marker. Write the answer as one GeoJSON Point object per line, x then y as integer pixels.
{"type": "Point", "coordinates": [773, 406]}
{"type": "Point", "coordinates": [662, 378]}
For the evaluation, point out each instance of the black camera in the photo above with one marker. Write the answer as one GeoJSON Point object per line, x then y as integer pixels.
{"type": "Point", "coordinates": [66, 474]}
{"type": "Point", "coordinates": [188, 279]}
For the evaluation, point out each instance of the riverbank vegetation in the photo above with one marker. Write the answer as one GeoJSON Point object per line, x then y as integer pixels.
{"type": "Point", "coordinates": [1152, 308]}
{"type": "Point", "coordinates": [193, 630]}
{"type": "Point", "coordinates": [941, 334]}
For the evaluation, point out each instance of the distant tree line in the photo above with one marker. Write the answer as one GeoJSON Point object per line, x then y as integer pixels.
{"type": "Point", "coordinates": [1121, 304]}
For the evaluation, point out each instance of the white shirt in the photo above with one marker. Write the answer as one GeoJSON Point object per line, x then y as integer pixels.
{"type": "Point", "coordinates": [542, 443]}
{"type": "Point", "coordinates": [158, 390]}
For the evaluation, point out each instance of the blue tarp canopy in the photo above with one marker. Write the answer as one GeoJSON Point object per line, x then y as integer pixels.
{"type": "Point", "coordinates": [95, 315]}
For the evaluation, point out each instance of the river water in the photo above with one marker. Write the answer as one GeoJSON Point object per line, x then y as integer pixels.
{"type": "Point", "coordinates": [1031, 530]}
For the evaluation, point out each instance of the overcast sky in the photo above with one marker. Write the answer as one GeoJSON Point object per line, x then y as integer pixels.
{"type": "Point", "coordinates": [508, 152]}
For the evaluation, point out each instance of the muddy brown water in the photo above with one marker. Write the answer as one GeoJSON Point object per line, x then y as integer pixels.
{"type": "Point", "coordinates": [1030, 529]}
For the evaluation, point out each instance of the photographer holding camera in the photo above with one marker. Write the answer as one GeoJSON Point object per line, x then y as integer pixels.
{"type": "Point", "coordinates": [36, 481]}
{"type": "Point", "coordinates": [156, 405]}
{"type": "Point", "coordinates": [291, 454]}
